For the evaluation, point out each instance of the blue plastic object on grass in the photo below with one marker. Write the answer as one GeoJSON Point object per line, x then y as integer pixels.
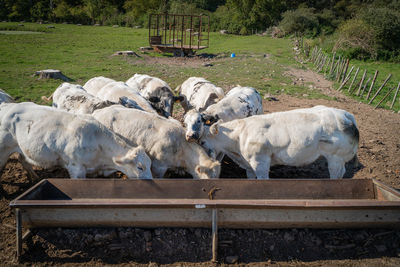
{"type": "Point", "coordinates": [233, 55]}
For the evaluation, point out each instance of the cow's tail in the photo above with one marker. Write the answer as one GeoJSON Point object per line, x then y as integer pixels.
{"type": "Point", "coordinates": [351, 130]}
{"type": "Point", "coordinates": [47, 99]}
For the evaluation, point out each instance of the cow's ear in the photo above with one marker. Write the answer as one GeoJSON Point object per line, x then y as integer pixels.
{"type": "Point", "coordinates": [214, 129]}
{"type": "Point", "coordinates": [209, 119]}
{"type": "Point", "coordinates": [179, 99]}
{"type": "Point", "coordinates": [200, 169]}
{"type": "Point", "coordinates": [123, 100]}
{"type": "Point", "coordinates": [128, 103]}
{"type": "Point", "coordinates": [154, 99]}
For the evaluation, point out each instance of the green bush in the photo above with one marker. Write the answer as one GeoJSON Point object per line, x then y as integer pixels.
{"type": "Point", "coordinates": [328, 21]}
{"type": "Point", "coordinates": [301, 20]}
{"type": "Point", "coordinates": [358, 37]}
{"type": "Point", "coordinates": [386, 25]}
{"type": "Point", "coordinates": [225, 18]}
{"type": "Point", "coordinates": [374, 33]}
{"type": "Point", "coordinates": [40, 11]}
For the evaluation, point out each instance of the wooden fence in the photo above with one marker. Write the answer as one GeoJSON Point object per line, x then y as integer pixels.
{"type": "Point", "coordinates": [356, 81]}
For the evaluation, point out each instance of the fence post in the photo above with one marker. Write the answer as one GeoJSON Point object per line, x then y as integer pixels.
{"type": "Point", "coordinates": [395, 96]}
{"type": "Point", "coordinates": [372, 84]}
{"type": "Point", "coordinates": [333, 60]}
{"type": "Point", "coordinates": [355, 76]}
{"type": "Point", "coordinates": [365, 86]}
{"type": "Point", "coordinates": [345, 69]}
{"type": "Point", "coordinates": [380, 88]}
{"type": "Point", "coordinates": [346, 79]}
{"type": "Point", "coordinates": [387, 94]}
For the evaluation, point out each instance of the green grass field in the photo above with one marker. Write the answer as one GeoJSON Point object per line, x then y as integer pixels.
{"type": "Point", "coordinates": [83, 52]}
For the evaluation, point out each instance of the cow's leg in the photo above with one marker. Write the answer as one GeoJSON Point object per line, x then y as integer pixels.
{"type": "Point", "coordinates": [250, 174]}
{"type": "Point", "coordinates": [76, 171]}
{"type": "Point", "coordinates": [220, 157]}
{"type": "Point", "coordinates": [28, 167]}
{"type": "Point", "coordinates": [158, 170]}
{"type": "Point", "coordinates": [260, 165]}
{"type": "Point", "coordinates": [4, 155]}
{"type": "Point", "coordinates": [7, 147]}
{"type": "Point", "coordinates": [336, 166]}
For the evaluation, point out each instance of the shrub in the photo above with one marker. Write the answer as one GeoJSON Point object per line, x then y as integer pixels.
{"type": "Point", "coordinates": [328, 21]}
{"type": "Point", "coordinates": [386, 25]}
{"type": "Point", "coordinates": [62, 12]}
{"type": "Point", "coordinates": [301, 20]}
{"type": "Point", "coordinates": [357, 36]}
{"type": "Point", "coordinates": [40, 11]}
{"type": "Point", "coordinates": [374, 33]}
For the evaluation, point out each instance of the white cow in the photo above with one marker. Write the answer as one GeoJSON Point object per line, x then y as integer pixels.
{"type": "Point", "coordinates": [199, 94]}
{"type": "Point", "coordinates": [163, 139]}
{"type": "Point", "coordinates": [156, 91]}
{"type": "Point", "coordinates": [294, 138]}
{"type": "Point", "coordinates": [113, 91]}
{"type": "Point", "coordinates": [73, 98]}
{"type": "Point", "coordinates": [93, 85]}
{"type": "Point", "coordinates": [48, 137]}
{"type": "Point", "coordinates": [5, 98]}
{"type": "Point", "coordinates": [240, 102]}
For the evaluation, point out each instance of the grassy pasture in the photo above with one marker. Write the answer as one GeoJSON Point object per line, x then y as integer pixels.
{"type": "Point", "coordinates": [83, 52]}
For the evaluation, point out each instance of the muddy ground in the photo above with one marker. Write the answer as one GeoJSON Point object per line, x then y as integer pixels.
{"type": "Point", "coordinates": [379, 155]}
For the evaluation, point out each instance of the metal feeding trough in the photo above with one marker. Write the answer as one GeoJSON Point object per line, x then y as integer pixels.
{"type": "Point", "coordinates": [179, 34]}
{"type": "Point", "coordinates": [228, 203]}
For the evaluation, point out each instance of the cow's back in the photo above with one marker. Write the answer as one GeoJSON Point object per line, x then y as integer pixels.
{"type": "Point", "coordinates": [156, 134]}
{"type": "Point", "coordinates": [300, 136]}
{"type": "Point", "coordinates": [74, 98]}
{"type": "Point", "coordinates": [113, 91]}
{"type": "Point", "coordinates": [240, 102]}
{"type": "Point", "coordinates": [93, 85]}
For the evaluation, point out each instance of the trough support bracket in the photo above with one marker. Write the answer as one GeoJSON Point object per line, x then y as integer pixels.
{"type": "Point", "coordinates": [214, 235]}
{"type": "Point", "coordinates": [19, 232]}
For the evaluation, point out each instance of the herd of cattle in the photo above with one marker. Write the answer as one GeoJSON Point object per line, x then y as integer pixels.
{"type": "Point", "coordinates": [107, 126]}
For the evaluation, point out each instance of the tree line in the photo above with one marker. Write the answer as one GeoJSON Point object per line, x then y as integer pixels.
{"type": "Point", "coordinates": [361, 28]}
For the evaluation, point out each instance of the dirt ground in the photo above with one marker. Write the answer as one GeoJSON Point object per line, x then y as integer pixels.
{"type": "Point", "coordinates": [379, 156]}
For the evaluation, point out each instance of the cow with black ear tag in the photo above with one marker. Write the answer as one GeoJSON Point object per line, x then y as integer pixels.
{"type": "Point", "coordinates": [209, 119]}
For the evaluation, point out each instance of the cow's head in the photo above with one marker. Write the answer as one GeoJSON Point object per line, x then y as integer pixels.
{"type": "Point", "coordinates": [162, 99]}
{"type": "Point", "coordinates": [135, 163]}
{"type": "Point", "coordinates": [194, 123]}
